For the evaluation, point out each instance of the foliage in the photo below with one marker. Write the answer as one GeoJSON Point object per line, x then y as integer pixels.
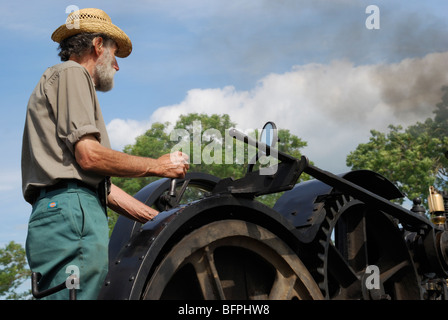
{"type": "Point", "coordinates": [413, 158]}
{"type": "Point", "coordinates": [13, 271]}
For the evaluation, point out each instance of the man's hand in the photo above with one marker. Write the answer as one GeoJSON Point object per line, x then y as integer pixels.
{"type": "Point", "coordinates": [128, 206]}
{"type": "Point", "coordinates": [173, 165]}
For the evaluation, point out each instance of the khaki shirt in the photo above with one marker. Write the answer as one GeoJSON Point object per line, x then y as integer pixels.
{"type": "Point", "coordinates": [61, 110]}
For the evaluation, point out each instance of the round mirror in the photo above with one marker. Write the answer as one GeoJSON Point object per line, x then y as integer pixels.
{"type": "Point", "coordinates": [269, 134]}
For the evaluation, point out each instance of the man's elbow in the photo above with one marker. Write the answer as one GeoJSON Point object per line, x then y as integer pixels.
{"type": "Point", "coordinates": [86, 163]}
{"type": "Point", "coordinates": [86, 156]}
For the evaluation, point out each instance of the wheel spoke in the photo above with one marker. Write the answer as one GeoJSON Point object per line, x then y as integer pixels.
{"type": "Point", "coordinates": [357, 241]}
{"type": "Point", "coordinates": [208, 277]}
{"type": "Point", "coordinates": [283, 287]}
{"type": "Point", "coordinates": [340, 268]}
{"type": "Point", "coordinates": [387, 274]}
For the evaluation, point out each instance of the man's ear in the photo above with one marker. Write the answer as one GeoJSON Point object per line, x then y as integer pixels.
{"type": "Point", "coordinates": [98, 46]}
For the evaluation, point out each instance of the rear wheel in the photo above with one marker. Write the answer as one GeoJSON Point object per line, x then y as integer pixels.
{"type": "Point", "coordinates": [352, 240]}
{"type": "Point", "coordinates": [231, 259]}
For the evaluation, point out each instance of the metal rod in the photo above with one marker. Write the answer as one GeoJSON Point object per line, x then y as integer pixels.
{"type": "Point", "coordinates": [234, 133]}
{"type": "Point", "coordinates": [35, 277]}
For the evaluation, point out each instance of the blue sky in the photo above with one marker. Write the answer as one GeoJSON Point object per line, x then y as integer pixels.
{"type": "Point", "coordinates": [311, 66]}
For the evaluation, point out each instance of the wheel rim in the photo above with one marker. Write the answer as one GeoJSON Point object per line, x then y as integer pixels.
{"type": "Point", "coordinates": [231, 259]}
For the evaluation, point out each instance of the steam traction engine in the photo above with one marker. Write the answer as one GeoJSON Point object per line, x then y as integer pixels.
{"type": "Point", "coordinates": [334, 237]}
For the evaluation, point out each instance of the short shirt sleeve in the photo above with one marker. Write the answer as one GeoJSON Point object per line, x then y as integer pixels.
{"type": "Point", "coordinates": [72, 96]}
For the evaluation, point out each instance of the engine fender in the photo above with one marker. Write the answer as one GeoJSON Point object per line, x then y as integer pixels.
{"type": "Point", "coordinates": [301, 205]}
{"type": "Point", "coordinates": [137, 259]}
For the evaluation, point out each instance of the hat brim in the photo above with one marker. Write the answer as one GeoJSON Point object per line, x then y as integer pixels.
{"type": "Point", "coordinates": [123, 42]}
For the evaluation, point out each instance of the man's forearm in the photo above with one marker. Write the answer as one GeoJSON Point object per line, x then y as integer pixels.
{"type": "Point", "coordinates": [124, 204]}
{"type": "Point", "coordinates": [92, 156]}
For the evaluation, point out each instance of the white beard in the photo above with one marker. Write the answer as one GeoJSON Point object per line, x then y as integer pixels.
{"type": "Point", "coordinates": [104, 73]}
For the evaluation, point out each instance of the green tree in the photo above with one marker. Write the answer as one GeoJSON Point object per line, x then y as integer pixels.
{"type": "Point", "coordinates": [13, 271]}
{"type": "Point", "coordinates": [205, 138]}
{"type": "Point", "coordinates": [412, 158]}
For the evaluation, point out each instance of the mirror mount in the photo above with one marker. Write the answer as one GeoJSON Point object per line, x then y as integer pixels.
{"type": "Point", "coordinates": [269, 134]}
{"type": "Point", "coordinates": [269, 138]}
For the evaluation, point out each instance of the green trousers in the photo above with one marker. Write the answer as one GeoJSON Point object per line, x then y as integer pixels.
{"type": "Point", "coordinates": [68, 233]}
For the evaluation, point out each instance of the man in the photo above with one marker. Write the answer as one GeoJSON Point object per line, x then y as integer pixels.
{"type": "Point", "coordinates": [66, 158]}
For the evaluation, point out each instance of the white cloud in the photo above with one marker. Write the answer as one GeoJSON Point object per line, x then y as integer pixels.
{"type": "Point", "coordinates": [122, 132]}
{"type": "Point", "coordinates": [331, 106]}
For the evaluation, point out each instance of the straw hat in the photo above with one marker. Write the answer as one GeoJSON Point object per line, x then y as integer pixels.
{"type": "Point", "coordinates": [93, 21]}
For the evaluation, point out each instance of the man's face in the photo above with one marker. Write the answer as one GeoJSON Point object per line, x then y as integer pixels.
{"type": "Point", "coordinates": [105, 69]}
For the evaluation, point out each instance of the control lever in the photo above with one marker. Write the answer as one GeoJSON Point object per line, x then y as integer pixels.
{"type": "Point", "coordinates": [173, 188]}
{"type": "Point", "coordinates": [169, 200]}
{"type": "Point", "coordinates": [172, 198]}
